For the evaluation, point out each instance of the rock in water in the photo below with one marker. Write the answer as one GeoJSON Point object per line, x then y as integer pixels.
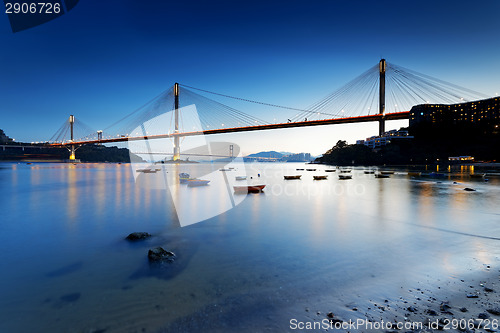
{"type": "Point", "coordinates": [483, 315]}
{"type": "Point", "coordinates": [469, 189]}
{"type": "Point", "coordinates": [494, 311]}
{"type": "Point", "coordinates": [135, 236]}
{"type": "Point", "coordinates": [159, 254]}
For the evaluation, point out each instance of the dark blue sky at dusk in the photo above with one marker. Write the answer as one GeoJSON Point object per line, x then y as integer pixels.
{"type": "Point", "coordinates": [103, 59]}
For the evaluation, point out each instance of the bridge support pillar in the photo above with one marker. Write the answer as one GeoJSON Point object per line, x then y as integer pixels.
{"type": "Point", "coordinates": [177, 146]}
{"type": "Point", "coordinates": [72, 147]}
{"type": "Point", "coordinates": [381, 124]}
{"type": "Point", "coordinates": [72, 156]}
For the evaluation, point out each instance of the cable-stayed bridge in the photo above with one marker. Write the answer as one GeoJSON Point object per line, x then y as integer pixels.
{"type": "Point", "coordinates": [383, 92]}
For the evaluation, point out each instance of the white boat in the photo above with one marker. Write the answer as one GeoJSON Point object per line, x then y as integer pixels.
{"type": "Point", "coordinates": [241, 177]}
{"type": "Point", "coordinates": [197, 182]}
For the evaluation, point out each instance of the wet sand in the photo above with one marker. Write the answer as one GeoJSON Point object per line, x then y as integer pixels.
{"type": "Point", "coordinates": [460, 304]}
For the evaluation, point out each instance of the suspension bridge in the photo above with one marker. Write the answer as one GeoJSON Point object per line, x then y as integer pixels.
{"type": "Point", "coordinates": [382, 93]}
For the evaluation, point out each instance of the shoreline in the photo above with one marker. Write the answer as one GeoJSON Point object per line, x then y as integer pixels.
{"type": "Point", "coordinates": [466, 303]}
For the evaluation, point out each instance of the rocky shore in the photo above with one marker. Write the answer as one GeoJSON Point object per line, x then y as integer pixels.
{"type": "Point", "coordinates": [455, 305]}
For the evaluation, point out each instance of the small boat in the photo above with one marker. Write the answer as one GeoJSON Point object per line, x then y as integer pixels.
{"type": "Point", "coordinates": [319, 177]}
{"type": "Point", "coordinates": [330, 170]}
{"type": "Point", "coordinates": [345, 170]}
{"type": "Point", "coordinates": [387, 172]}
{"type": "Point", "coordinates": [197, 182]}
{"type": "Point", "coordinates": [241, 177]}
{"type": "Point", "coordinates": [369, 172]}
{"type": "Point", "coordinates": [147, 170]}
{"type": "Point", "coordinates": [225, 169]}
{"type": "Point", "coordinates": [382, 175]}
{"type": "Point", "coordinates": [184, 177]}
{"type": "Point", "coordinates": [345, 176]}
{"type": "Point", "coordinates": [477, 175]}
{"type": "Point", "coordinates": [292, 177]}
{"type": "Point", "coordinates": [414, 174]}
{"type": "Point", "coordinates": [249, 188]}
{"type": "Point", "coordinates": [310, 169]}
{"type": "Point", "coordinates": [299, 169]}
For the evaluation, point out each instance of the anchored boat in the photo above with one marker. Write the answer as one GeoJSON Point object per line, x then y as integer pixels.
{"type": "Point", "coordinates": [249, 188]}
{"type": "Point", "coordinates": [292, 177]}
{"type": "Point", "coordinates": [345, 176]}
{"type": "Point", "coordinates": [197, 182]}
{"type": "Point", "coordinates": [477, 175]}
{"type": "Point", "coordinates": [319, 177]}
{"type": "Point", "coordinates": [382, 175]}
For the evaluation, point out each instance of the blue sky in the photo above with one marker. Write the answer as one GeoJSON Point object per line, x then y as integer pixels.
{"type": "Point", "coordinates": [104, 59]}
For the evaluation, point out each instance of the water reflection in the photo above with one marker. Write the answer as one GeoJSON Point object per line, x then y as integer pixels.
{"type": "Point", "coordinates": [296, 241]}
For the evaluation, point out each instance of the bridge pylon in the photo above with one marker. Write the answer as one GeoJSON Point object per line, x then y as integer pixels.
{"type": "Point", "coordinates": [72, 148]}
{"type": "Point", "coordinates": [381, 122]}
{"type": "Point", "coordinates": [177, 146]}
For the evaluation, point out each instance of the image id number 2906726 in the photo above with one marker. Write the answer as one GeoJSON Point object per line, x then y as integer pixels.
{"type": "Point", "coordinates": [32, 8]}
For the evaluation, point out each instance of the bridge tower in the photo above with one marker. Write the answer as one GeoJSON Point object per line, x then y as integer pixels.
{"type": "Point", "coordinates": [72, 147]}
{"type": "Point", "coordinates": [381, 124]}
{"type": "Point", "coordinates": [177, 147]}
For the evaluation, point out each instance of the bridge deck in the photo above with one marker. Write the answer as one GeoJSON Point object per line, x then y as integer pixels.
{"type": "Point", "coordinates": [360, 119]}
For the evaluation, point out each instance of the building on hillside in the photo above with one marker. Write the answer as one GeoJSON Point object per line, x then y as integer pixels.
{"type": "Point", "coordinates": [382, 140]}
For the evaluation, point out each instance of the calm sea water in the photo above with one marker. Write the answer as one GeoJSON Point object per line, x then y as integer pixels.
{"type": "Point", "coordinates": [301, 246]}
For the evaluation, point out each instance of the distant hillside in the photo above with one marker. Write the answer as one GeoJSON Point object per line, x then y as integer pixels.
{"type": "Point", "coordinates": [267, 154]}
{"type": "Point", "coordinates": [20, 151]}
{"type": "Point", "coordinates": [271, 156]}
{"type": "Point", "coordinates": [4, 138]}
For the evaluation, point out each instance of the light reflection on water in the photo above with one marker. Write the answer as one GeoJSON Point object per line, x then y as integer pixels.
{"type": "Point", "coordinates": [62, 230]}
